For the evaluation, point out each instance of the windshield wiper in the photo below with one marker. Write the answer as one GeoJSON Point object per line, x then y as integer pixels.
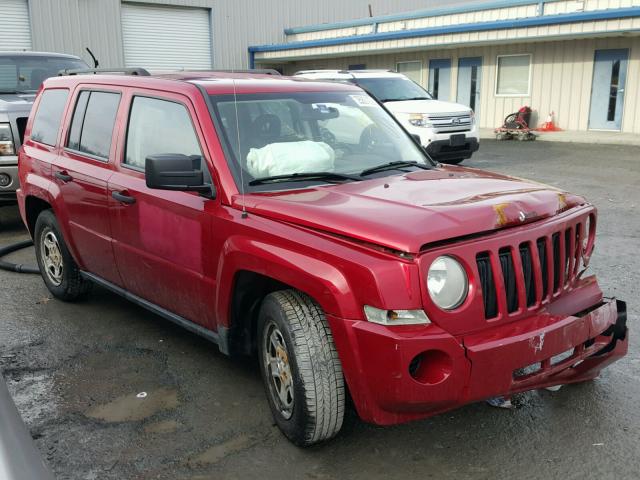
{"type": "Point", "coordinates": [393, 166]}
{"type": "Point", "coordinates": [304, 177]}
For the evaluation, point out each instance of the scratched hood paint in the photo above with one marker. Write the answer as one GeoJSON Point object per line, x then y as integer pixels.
{"type": "Point", "coordinates": [405, 212]}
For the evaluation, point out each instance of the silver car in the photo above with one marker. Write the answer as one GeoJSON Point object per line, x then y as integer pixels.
{"type": "Point", "coordinates": [21, 74]}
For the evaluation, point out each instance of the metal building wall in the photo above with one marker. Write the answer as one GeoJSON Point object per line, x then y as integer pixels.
{"type": "Point", "coordinates": [238, 24]}
{"type": "Point", "coordinates": [560, 80]}
{"type": "Point", "coordinates": [71, 25]}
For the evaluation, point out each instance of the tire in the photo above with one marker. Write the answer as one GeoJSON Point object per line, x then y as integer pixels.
{"type": "Point", "coordinates": [59, 271]}
{"type": "Point", "coordinates": [453, 161]}
{"type": "Point", "coordinates": [298, 358]}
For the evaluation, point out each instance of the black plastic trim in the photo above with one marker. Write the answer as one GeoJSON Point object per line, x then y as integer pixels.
{"type": "Point", "coordinates": [164, 313]}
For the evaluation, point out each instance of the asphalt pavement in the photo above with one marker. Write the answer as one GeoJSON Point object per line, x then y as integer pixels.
{"type": "Point", "coordinates": [76, 371]}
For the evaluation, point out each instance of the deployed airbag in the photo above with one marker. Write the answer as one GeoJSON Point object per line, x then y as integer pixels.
{"type": "Point", "coordinates": [290, 157]}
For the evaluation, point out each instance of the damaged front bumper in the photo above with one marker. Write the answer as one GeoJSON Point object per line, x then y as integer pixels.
{"type": "Point", "coordinates": [401, 374]}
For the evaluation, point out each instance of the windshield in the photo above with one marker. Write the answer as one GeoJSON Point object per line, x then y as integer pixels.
{"type": "Point", "coordinates": [393, 89]}
{"type": "Point", "coordinates": [25, 73]}
{"type": "Point", "coordinates": [339, 133]}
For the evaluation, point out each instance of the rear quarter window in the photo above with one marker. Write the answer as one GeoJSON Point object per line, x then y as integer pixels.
{"type": "Point", "coordinates": [46, 123]}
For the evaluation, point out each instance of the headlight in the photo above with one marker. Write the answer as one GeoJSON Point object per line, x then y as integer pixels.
{"type": "Point", "coordinates": [447, 283]}
{"type": "Point", "coordinates": [419, 120]}
{"type": "Point", "coordinates": [6, 140]}
{"type": "Point", "coordinates": [472, 114]}
{"type": "Point", "coordinates": [396, 317]}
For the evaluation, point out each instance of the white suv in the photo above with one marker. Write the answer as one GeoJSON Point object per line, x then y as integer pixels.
{"type": "Point", "coordinates": [447, 130]}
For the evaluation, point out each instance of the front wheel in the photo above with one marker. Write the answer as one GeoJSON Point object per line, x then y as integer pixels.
{"type": "Point", "coordinates": [300, 368]}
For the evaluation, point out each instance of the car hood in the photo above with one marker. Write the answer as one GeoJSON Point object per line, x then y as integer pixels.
{"type": "Point", "coordinates": [425, 106]}
{"type": "Point", "coordinates": [405, 212]}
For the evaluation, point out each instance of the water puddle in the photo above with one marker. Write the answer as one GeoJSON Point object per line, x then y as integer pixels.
{"type": "Point", "coordinates": [163, 426]}
{"type": "Point", "coordinates": [130, 408]}
{"type": "Point", "coordinates": [218, 452]}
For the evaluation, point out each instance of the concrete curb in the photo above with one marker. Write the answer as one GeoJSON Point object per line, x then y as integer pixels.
{"type": "Point", "coordinates": [595, 137]}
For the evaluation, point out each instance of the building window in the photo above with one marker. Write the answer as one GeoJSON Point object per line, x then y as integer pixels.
{"type": "Point", "coordinates": [514, 75]}
{"type": "Point", "coordinates": [413, 70]}
{"type": "Point", "coordinates": [357, 66]}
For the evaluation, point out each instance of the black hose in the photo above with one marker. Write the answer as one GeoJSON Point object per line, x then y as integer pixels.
{"type": "Point", "coordinates": [16, 267]}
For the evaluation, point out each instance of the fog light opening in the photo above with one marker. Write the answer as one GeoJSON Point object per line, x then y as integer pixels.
{"type": "Point", "coordinates": [431, 367]}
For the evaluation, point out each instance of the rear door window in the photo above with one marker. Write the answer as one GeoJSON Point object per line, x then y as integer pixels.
{"type": "Point", "coordinates": [92, 124]}
{"type": "Point", "coordinates": [46, 123]}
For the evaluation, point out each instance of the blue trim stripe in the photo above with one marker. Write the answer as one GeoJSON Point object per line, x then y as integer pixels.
{"type": "Point", "coordinates": [469, 27]}
{"type": "Point", "coordinates": [433, 12]}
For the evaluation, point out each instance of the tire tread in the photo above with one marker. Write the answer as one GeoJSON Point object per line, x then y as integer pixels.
{"type": "Point", "coordinates": [318, 365]}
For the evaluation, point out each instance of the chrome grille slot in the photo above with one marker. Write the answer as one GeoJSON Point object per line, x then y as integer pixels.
{"type": "Point", "coordinates": [544, 265]}
{"type": "Point", "coordinates": [451, 122]}
{"type": "Point", "coordinates": [487, 284]}
{"type": "Point", "coordinates": [557, 270]}
{"type": "Point", "coordinates": [527, 271]}
{"type": "Point", "coordinates": [509, 276]}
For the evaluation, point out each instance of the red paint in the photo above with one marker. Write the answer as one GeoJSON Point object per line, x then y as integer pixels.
{"type": "Point", "coordinates": [361, 243]}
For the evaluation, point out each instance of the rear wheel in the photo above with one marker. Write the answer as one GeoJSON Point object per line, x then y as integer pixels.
{"type": "Point", "coordinates": [300, 368]}
{"type": "Point", "coordinates": [59, 271]}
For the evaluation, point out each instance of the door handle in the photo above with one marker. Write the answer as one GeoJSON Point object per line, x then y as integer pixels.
{"type": "Point", "coordinates": [64, 176]}
{"type": "Point", "coordinates": [119, 196]}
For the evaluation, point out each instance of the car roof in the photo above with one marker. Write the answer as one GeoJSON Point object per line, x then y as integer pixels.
{"type": "Point", "coordinates": [39, 54]}
{"type": "Point", "coordinates": [212, 82]}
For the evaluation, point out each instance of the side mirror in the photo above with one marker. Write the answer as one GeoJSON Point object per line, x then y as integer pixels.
{"type": "Point", "coordinates": [173, 171]}
{"type": "Point", "coordinates": [416, 137]}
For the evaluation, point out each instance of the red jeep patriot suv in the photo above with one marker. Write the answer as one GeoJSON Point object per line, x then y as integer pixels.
{"type": "Point", "coordinates": [297, 219]}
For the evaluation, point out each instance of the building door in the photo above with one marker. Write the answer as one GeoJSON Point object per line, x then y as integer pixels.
{"type": "Point", "coordinates": [162, 37]}
{"type": "Point", "coordinates": [440, 79]}
{"type": "Point", "coordinates": [607, 89]}
{"type": "Point", "coordinates": [15, 30]}
{"type": "Point", "coordinates": [469, 70]}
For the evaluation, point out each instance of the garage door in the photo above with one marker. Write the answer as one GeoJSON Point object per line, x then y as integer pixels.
{"type": "Point", "coordinates": [160, 38]}
{"type": "Point", "coordinates": [15, 31]}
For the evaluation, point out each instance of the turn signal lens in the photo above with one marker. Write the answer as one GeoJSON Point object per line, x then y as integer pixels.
{"type": "Point", "coordinates": [396, 317]}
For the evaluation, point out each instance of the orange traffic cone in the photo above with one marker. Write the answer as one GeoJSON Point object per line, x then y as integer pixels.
{"type": "Point", "coordinates": [549, 126]}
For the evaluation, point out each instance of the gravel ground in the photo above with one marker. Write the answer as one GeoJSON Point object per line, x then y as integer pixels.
{"type": "Point", "coordinates": [74, 371]}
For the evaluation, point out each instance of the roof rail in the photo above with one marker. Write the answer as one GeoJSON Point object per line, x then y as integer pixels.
{"type": "Point", "coordinates": [372, 70]}
{"type": "Point", "coordinates": [264, 71]}
{"type": "Point", "coordinates": [124, 71]}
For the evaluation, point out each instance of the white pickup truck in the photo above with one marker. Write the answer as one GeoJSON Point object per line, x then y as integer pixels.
{"type": "Point", "coordinates": [447, 130]}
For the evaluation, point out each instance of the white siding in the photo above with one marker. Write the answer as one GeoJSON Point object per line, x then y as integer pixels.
{"type": "Point", "coordinates": [159, 37]}
{"type": "Point", "coordinates": [15, 30]}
